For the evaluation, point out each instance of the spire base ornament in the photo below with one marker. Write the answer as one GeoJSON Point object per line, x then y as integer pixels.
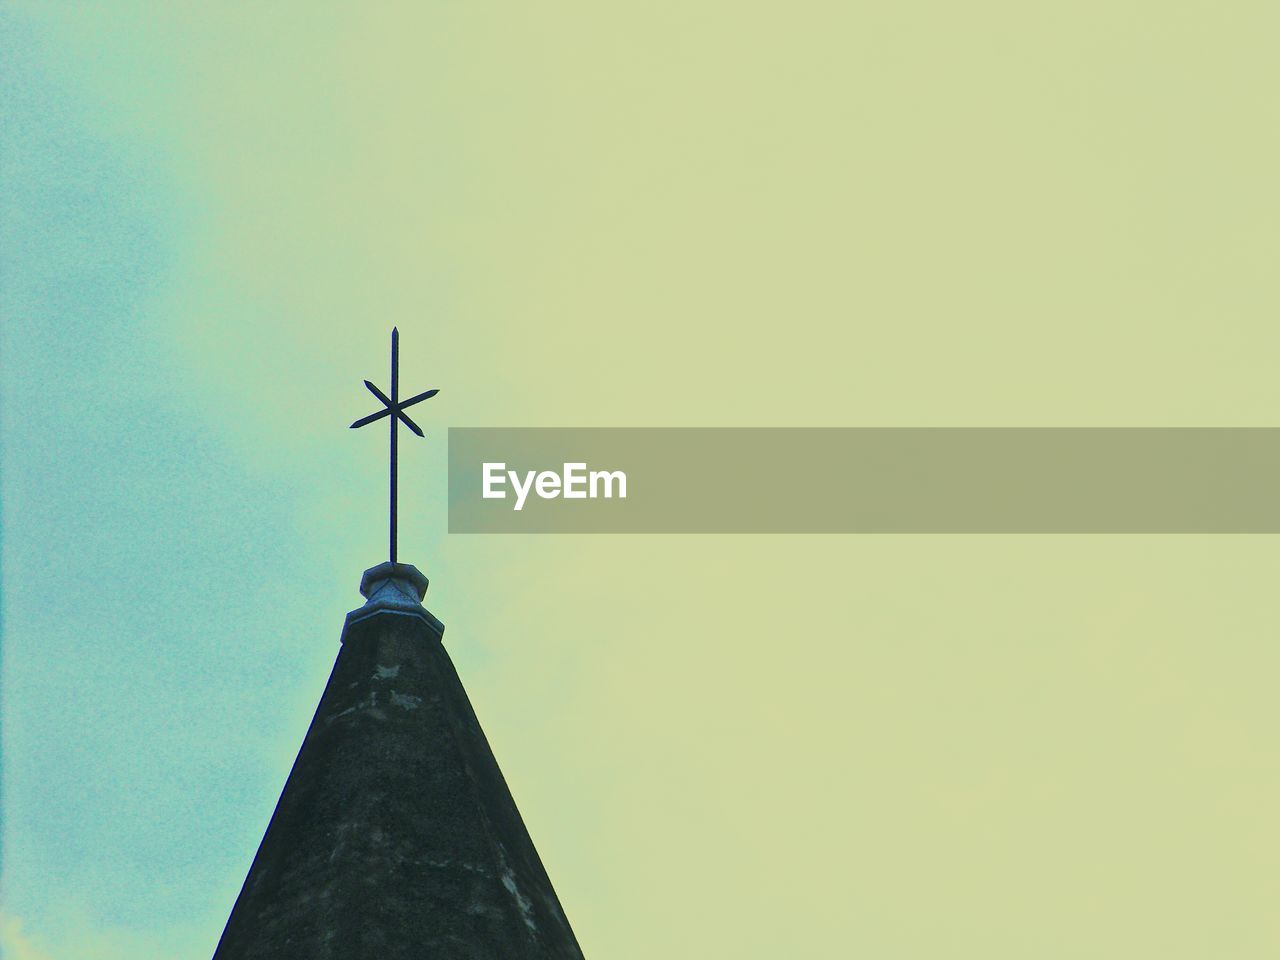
{"type": "Point", "coordinates": [396, 589]}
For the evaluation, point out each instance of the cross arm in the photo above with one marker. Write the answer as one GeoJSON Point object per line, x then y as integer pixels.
{"type": "Point", "coordinates": [404, 418]}
{"type": "Point", "coordinates": [371, 418]}
{"type": "Point", "coordinates": [422, 396]}
{"type": "Point", "coordinates": [378, 393]}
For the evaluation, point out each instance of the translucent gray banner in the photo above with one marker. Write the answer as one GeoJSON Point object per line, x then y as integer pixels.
{"type": "Point", "coordinates": [864, 480]}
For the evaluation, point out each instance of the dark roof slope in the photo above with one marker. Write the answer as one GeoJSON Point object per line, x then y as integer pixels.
{"type": "Point", "coordinates": [396, 835]}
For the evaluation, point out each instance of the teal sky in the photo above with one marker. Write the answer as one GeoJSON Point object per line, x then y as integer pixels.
{"type": "Point", "coordinates": [140, 557]}
{"type": "Point", "coordinates": [177, 560]}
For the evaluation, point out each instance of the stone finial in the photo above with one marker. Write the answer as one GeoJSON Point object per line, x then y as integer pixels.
{"type": "Point", "coordinates": [393, 588]}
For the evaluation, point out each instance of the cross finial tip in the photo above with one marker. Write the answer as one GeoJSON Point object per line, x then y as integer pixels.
{"type": "Point", "coordinates": [393, 408]}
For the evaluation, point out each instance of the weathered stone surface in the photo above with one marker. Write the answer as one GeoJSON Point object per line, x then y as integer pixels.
{"type": "Point", "coordinates": [396, 835]}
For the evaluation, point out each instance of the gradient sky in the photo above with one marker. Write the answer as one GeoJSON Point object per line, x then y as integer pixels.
{"type": "Point", "coordinates": [697, 213]}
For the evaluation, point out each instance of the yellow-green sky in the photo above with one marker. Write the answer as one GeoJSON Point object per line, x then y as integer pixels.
{"type": "Point", "coordinates": [698, 213]}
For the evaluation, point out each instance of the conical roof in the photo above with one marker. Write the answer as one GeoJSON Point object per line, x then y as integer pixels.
{"type": "Point", "coordinates": [396, 835]}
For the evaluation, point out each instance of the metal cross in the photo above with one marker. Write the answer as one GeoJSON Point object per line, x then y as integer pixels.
{"type": "Point", "coordinates": [393, 407]}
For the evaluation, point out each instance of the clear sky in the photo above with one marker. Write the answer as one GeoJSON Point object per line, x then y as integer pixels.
{"type": "Point", "coordinates": [581, 214]}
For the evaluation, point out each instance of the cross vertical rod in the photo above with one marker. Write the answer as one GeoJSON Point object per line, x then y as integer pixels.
{"type": "Point", "coordinates": [394, 412]}
{"type": "Point", "coordinates": [395, 399]}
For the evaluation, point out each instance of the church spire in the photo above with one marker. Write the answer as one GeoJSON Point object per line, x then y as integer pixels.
{"type": "Point", "coordinates": [396, 836]}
